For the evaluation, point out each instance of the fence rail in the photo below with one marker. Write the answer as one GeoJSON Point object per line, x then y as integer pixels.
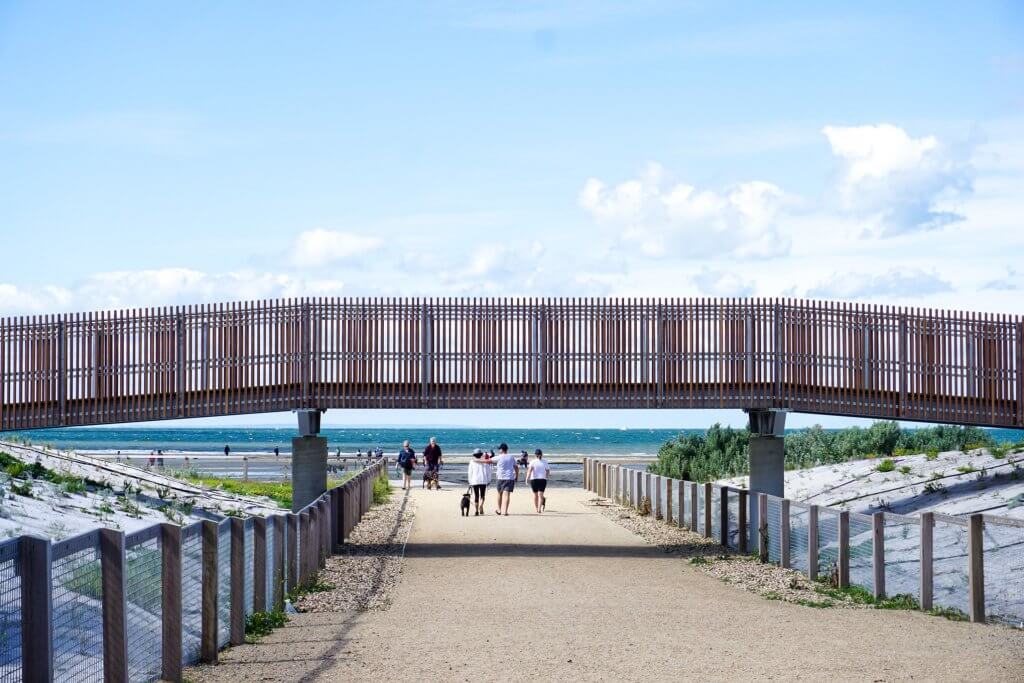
{"type": "Point", "coordinates": [819, 357]}
{"type": "Point", "coordinates": [970, 565]}
{"type": "Point", "coordinates": [140, 607]}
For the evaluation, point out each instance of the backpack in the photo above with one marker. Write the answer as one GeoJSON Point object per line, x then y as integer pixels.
{"type": "Point", "coordinates": [403, 458]}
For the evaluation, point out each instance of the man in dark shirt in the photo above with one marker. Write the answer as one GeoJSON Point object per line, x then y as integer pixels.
{"type": "Point", "coordinates": [432, 457]}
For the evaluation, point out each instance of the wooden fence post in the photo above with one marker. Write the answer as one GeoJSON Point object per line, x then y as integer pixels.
{"type": "Point", "coordinates": [303, 561]}
{"type": "Point", "coordinates": [742, 521]}
{"type": "Point", "coordinates": [113, 572]}
{"type": "Point", "coordinates": [927, 568]}
{"type": "Point", "coordinates": [878, 553]}
{"type": "Point", "coordinates": [259, 564]}
{"type": "Point", "coordinates": [294, 577]}
{"type": "Point", "coordinates": [277, 578]}
{"type": "Point", "coordinates": [844, 549]}
{"type": "Point", "coordinates": [648, 490]}
{"type": "Point", "coordinates": [658, 513]}
{"type": "Point", "coordinates": [694, 508]}
{"type": "Point", "coordinates": [237, 618]}
{"type": "Point", "coordinates": [335, 519]}
{"type": "Point", "coordinates": [812, 543]}
{"type": "Point", "coordinates": [208, 637]}
{"type": "Point", "coordinates": [723, 515]}
{"type": "Point", "coordinates": [170, 602]}
{"type": "Point", "coordinates": [762, 526]}
{"type": "Point", "coordinates": [708, 527]}
{"type": "Point", "coordinates": [681, 493]}
{"type": "Point", "coordinates": [784, 534]}
{"type": "Point", "coordinates": [36, 609]}
{"type": "Point", "coordinates": [976, 567]}
{"type": "Point", "coordinates": [668, 500]}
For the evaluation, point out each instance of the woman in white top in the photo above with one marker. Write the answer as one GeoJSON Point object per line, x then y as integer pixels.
{"type": "Point", "coordinates": [479, 477]}
{"type": "Point", "coordinates": [537, 475]}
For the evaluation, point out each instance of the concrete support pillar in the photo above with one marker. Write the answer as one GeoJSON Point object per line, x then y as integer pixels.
{"type": "Point", "coordinates": [767, 452]}
{"type": "Point", "coordinates": [309, 470]}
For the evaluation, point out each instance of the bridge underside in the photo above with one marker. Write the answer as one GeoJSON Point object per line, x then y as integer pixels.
{"type": "Point", "coordinates": [113, 408]}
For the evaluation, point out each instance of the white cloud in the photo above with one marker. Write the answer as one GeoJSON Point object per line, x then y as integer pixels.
{"type": "Point", "coordinates": [895, 182]}
{"type": "Point", "coordinates": [723, 283]}
{"type": "Point", "coordinates": [894, 284]}
{"type": "Point", "coordinates": [315, 248]}
{"type": "Point", "coordinates": [662, 219]}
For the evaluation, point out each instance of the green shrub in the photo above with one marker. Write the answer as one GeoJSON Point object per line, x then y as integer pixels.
{"type": "Point", "coordinates": [259, 624]}
{"type": "Point", "coordinates": [931, 453]}
{"type": "Point", "coordinates": [905, 469]}
{"type": "Point", "coordinates": [965, 469]}
{"type": "Point", "coordinates": [886, 465]}
{"type": "Point", "coordinates": [381, 489]}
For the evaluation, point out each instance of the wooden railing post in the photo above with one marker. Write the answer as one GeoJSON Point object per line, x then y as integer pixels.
{"type": "Point", "coordinates": [723, 515]}
{"type": "Point", "coordinates": [237, 618]}
{"type": "Point", "coordinates": [681, 494]}
{"type": "Point", "coordinates": [658, 513]}
{"type": "Point", "coordinates": [304, 573]}
{"type": "Point", "coordinates": [208, 637]}
{"type": "Point", "coordinates": [976, 567]}
{"type": "Point", "coordinates": [744, 532]}
{"type": "Point", "coordinates": [927, 568]}
{"type": "Point", "coordinates": [844, 549]}
{"type": "Point", "coordinates": [878, 553]}
{"type": "Point", "coordinates": [170, 602]}
{"type": "Point", "coordinates": [259, 564]}
{"type": "Point", "coordinates": [294, 577]}
{"type": "Point", "coordinates": [762, 526]}
{"type": "Point", "coordinates": [812, 543]}
{"type": "Point", "coordinates": [113, 570]}
{"type": "Point", "coordinates": [36, 609]}
{"type": "Point", "coordinates": [784, 534]}
{"type": "Point", "coordinates": [708, 527]}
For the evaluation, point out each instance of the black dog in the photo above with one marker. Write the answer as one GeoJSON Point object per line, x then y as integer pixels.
{"type": "Point", "coordinates": [465, 504]}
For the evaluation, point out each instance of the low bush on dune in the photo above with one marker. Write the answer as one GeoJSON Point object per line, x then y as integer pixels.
{"type": "Point", "coordinates": [722, 451]}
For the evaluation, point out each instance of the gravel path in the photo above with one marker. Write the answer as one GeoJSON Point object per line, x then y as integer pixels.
{"type": "Point", "coordinates": [572, 595]}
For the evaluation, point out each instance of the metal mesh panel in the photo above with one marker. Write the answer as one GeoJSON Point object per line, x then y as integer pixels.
{"type": "Point", "coordinates": [250, 549]}
{"type": "Point", "coordinates": [10, 612]}
{"type": "Point", "coordinates": [224, 583]}
{"type": "Point", "coordinates": [677, 509]}
{"type": "Point", "coordinates": [734, 519]}
{"type": "Point", "coordinates": [191, 594]}
{"type": "Point", "coordinates": [1004, 569]}
{"type": "Point", "coordinates": [828, 541]}
{"type": "Point", "coordinates": [902, 557]}
{"type": "Point", "coordinates": [143, 583]}
{"type": "Point", "coordinates": [272, 568]}
{"type": "Point", "coordinates": [949, 573]}
{"type": "Point", "coordinates": [798, 519]}
{"type": "Point", "coordinates": [78, 616]}
{"type": "Point", "coordinates": [700, 509]}
{"type": "Point", "coordinates": [861, 546]}
{"type": "Point", "coordinates": [716, 514]}
{"type": "Point", "coordinates": [774, 529]}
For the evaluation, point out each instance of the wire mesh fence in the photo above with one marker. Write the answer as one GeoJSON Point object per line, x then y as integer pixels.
{"type": "Point", "coordinates": [733, 535]}
{"type": "Point", "coordinates": [949, 566]}
{"type": "Point", "coordinates": [76, 594]}
{"type": "Point", "coordinates": [271, 573]}
{"type": "Point", "coordinates": [191, 592]}
{"type": "Point", "coordinates": [861, 544]}
{"type": "Point", "coordinates": [143, 582]}
{"type": "Point", "coordinates": [223, 583]}
{"type": "Point", "coordinates": [250, 549]}
{"type": "Point", "coordinates": [1004, 572]}
{"type": "Point", "coordinates": [902, 543]}
{"type": "Point", "coordinates": [828, 541]}
{"type": "Point", "coordinates": [10, 611]}
{"type": "Point", "coordinates": [774, 529]}
{"type": "Point", "coordinates": [700, 510]}
{"type": "Point", "coordinates": [716, 516]}
{"type": "Point", "coordinates": [799, 516]}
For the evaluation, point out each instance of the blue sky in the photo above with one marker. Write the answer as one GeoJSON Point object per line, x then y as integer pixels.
{"type": "Point", "coordinates": [164, 153]}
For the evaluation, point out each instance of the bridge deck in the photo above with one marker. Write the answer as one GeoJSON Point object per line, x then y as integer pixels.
{"type": "Point", "coordinates": [570, 595]}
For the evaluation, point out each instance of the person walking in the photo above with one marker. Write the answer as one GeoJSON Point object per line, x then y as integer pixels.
{"type": "Point", "coordinates": [277, 452]}
{"type": "Point", "coordinates": [432, 458]}
{"type": "Point", "coordinates": [537, 475]}
{"type": "Point", "coordinates": [479, 476]}
{"type": "Point", "coordinates": [227, 449]}
{"type": "Point", "coordinates": [508, 472]}
{"type": "Point", "coordinates": [407, 463]}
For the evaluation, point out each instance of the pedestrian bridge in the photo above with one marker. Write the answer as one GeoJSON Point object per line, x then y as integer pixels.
{"type": "Point", "coordinates": [263, 356]}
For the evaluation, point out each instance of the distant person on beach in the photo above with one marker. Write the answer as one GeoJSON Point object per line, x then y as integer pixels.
{"type": "Point", "coordinates": [277, 452]}
{"type": "Point", "coordinates": [508, 472]}
{"type": "Point", "coordinates": [432, 458]}
{"type": "Point", "coordinates": [524, 460]}
{"type": "Point", "coordinates": [406, 462]}
{"type": "Point", "coordinates": [227, 449]}
{"type": "Point", "coordinates": [479, 476]}
{"type": "Point", "coordinates": [537, 475]}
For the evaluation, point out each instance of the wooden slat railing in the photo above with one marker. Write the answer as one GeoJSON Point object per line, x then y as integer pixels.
{"type": "Point", "coordinates": [253, 357]}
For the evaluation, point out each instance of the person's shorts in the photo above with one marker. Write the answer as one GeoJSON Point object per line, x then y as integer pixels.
{"type": "Point", "coordinates": [538, 484]}
{"type": "Point", "coordinates": [506, 485]}
{"type": "Point", "coordinates": [432, 469]}
{"type": "Point", "coordinates": [407, 469]}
